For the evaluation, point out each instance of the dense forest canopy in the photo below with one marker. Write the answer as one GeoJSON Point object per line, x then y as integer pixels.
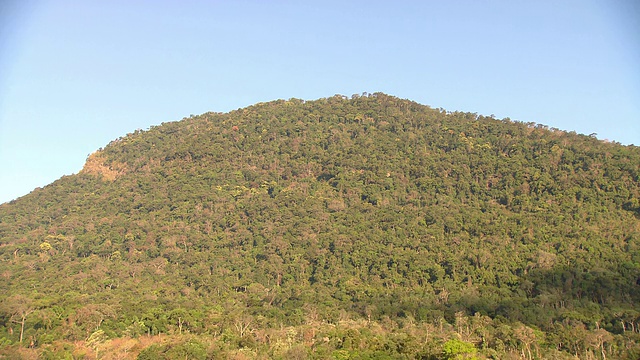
{"type": "Point", "coordinates": [355, 228]}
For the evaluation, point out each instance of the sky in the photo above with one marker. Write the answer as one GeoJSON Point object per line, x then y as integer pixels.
{"type": "Point", "coordinates": [75, 75]}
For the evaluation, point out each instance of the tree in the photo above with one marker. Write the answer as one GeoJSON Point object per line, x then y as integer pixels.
{"type": "Point", "coordinates": [526, 336]}
{"type": "Point", "coordinates": [597, 338]}
{"type": "Point", "coordinates": [18, 307]}
{"type": "Point", "coordinates": [458, 349]}
{"type": "Point", "coordinates": [96, 339]}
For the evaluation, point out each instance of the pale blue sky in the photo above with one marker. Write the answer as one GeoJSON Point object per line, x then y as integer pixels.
{"type": "Point", "coordinates": [75, 75]}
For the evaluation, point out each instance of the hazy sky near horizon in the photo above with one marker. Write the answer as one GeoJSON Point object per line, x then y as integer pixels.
{"type": "Point", "coordinates": [75, 75]}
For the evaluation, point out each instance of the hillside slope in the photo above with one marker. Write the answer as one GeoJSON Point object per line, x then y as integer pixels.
{"type": "Point", "coordinates": [517, 237]}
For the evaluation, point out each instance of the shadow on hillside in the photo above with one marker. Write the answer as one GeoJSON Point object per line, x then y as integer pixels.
{"type": "Point", "coordinates": [606, 297]}
{"type": "Point", "coordinates": [604, 286]}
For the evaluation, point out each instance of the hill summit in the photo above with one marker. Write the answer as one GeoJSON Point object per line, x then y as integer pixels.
{"type": "Point", "coordinates": [358, 227]}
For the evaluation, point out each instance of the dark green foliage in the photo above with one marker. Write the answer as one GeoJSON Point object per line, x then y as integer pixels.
{"type": "Point", "coordinates": [153, 352]}
{"type": "Point", "coordinates": [373, 208]}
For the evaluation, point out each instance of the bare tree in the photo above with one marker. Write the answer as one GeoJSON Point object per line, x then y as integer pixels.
{"type": "Point", "coordinates": [18, 307]}
{"type": "Point", "coordinates": [243, 324]}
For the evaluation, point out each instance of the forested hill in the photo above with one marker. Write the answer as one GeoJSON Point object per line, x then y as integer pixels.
{"type": "Point", "coordinates": [358, 228]}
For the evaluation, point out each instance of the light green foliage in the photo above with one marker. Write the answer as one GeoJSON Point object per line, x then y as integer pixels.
{"type": "Point", "coordinates": [45, 246]}
{"type": "Point", "coordinates": [458, 349]}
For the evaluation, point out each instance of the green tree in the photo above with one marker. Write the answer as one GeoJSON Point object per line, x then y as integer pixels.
{"type": "Point", "coordinates": [458, 349]}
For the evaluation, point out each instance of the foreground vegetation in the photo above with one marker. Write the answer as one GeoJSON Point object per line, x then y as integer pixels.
{"type": "Point", "coordinates": [369, 227]}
